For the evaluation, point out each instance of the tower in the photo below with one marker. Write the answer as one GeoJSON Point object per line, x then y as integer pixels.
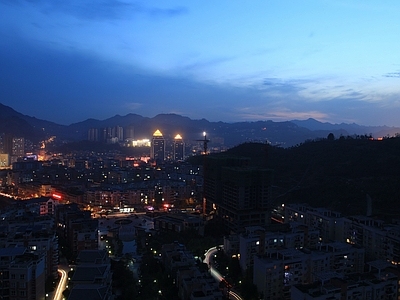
{"type": "Point", "coordinates": [158, 147]}
{"type": "Point", "coordinates": [179, 148]}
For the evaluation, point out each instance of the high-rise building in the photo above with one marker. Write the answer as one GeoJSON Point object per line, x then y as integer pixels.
{"type": "Point", "coordinates": [158, 147]}
{"type": "Point", "coordinates": [22, 274]}
{"type": "Point", "coordinates": [93, 134]}
{"type": "Point", "coordinates": [129, 132]}
{"type": "Point", "coordinates": [110, 135]}
{"type": "Point", "coordinates": [18, 148]}
{"type": "Point", "coordinates": [2, 136]}
{"type": "Point", "coordinates": [118, 132]}
{"type": "Point", "coordinates": [6, 144]}
{"type": "Point", "coordinates": [238, 193]}
{"type": "Point", "coordinates": [179, 148]}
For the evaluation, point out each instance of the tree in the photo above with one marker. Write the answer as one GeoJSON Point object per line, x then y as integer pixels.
{"type": "Point", "coordinates": [330, 137]}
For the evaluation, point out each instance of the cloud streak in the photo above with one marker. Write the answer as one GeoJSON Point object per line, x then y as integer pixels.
{"type": "Point", "coordinates": [99, 9]}
{"type": "Point", "coordinates": [393, 75]}
{"type": "Point", "coordinates": [70, 60]}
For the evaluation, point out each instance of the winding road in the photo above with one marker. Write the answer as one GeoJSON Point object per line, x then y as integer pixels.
{"type": "Point", "coordinates": [214, 272]}
{"type": "Point", "coordinates": [58, 294]}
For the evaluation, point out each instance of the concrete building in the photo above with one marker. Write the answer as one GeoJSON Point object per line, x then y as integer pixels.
{"type": "Point", "coordinates": [258, 240]}
{"type": "Point", "coordinates": [174, 256]}
{"type": "Point", "coordinates": [22, 274]}
{"type": "Point", "coordinates": [158, 147]}
{"type": "Point", "coordinates": [92, 278]}
{"type": "Point", "coordinates": [41, 206]}
{"type": "Point", "coordinates": [195, 285]}
{"type": "Point", "coordinates": [356, 286]}
{"type": "Point", "coordinates": [77, 227]}
{"type": "Point", "coordinates": [18, 148]}
{"type": "Point", "coordinates": [129, 132]}
{"type": "Point", "coordinates": [178, 148]}
{"type": "Point", "coordinates": [277, 271]}
{"type": "Point", "coordinates": [5, 161]}
{"type": "Point", "coordinates": [93, 134]}
{"type": "Point", "coordinates": [323, 219]}
{"type": "Point", "coordinates": [380, 240]}
{"type": "Point", "coordinates": [179, 222]}
{"type": "Point", "coordinates": [238, 194]}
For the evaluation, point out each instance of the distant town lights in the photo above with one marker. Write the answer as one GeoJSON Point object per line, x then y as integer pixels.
{"type": "Point", "coordinates": [141, 143]}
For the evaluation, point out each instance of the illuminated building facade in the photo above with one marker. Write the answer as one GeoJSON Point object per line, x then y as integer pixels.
{"type": "Point", "coordinates": [158, 147]}
{"type": "Point", "coordinates": [141, 143]}
{"type": "Point", "coordinates": [4, 160]}
{"type": "Point", "coordinates": [17, 149]}
{"type": "Point", "coordinates": [179, 148]}
{"type": "Point", "coordinates": [18, 146]}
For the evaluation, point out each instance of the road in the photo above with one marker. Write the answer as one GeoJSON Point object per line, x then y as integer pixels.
{"type": "Point", "coordinates": [58, 294]}
{"type": "Point", "coordinates": [214, 272]}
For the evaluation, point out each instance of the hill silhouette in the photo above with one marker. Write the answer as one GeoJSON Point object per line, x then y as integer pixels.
{"type": "Point", "coordinates": [285, 134]}
{"type": "Point", "coordinates": [338, 174]}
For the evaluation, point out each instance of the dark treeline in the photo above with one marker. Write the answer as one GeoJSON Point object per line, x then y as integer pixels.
{"type": "Point", "coordinates": [339, 174]}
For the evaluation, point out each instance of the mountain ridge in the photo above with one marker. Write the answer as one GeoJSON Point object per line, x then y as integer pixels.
{"type": "Point", "coordinates": [285, 134]}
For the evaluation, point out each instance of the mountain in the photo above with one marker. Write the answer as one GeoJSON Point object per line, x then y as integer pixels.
{"type": "Point", "coordinates": [17, 124]}
{"type": "Point", "coordinates": [376, 131]}
{"type": "Point", "coordinates": [340, 174]}
{"type": "Point", "coordinates": [285, 134]}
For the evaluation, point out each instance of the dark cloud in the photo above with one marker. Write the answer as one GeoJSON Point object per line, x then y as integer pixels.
{"type": "Point", "coordinates": [67, 87]}
{"type": "Point", "coordinates": [393, 74]}
{"type": "Point", "coordinates": [352, 94]}
{"type": "Point", "coordinates": [98, 10]}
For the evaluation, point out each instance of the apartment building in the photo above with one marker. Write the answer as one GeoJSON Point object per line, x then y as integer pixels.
{"type": "Point", "coordinates": [275, 272]}
{"type": "Point", "coordinates": [325, 220]}
{"type": "Point", "coordinates": [22, 274]}
{"type": "Point", "coordinates": [92, 278]}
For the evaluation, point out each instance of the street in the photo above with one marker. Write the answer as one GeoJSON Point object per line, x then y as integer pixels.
{"type": "Point", "coordinates": [214, 272]}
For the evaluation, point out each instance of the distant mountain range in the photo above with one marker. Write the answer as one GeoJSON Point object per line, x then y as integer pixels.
{"type": "Point", "coordinates": [286, 134]}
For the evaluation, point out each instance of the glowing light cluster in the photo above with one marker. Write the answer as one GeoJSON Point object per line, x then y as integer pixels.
{"type": "Point", "coordinates": [141, 143]}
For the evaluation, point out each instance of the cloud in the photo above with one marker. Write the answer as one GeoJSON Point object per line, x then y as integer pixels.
{"type": "Point", "coordinates": [392, 75]}
{"type": "Point", "coordinates": [67, 87]}
{"type": "Point", "coordinates": [100, 9]}
{"type": "Point", "coordinates": [284, 87]}
{"type": "Point", "coordinates": [284, 114]}
{"type": "Point", "coordinates": [132, 106]}
{"type": "Point", "coordinates": [169, 12]}
{"type": "Point", "coordinates": [71, 86]}
{"type": "Point", "coordinates": [199, 64]}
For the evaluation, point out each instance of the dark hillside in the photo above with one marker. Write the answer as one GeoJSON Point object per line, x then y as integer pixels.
{"type": "Point", "coordinates": [338, 174]}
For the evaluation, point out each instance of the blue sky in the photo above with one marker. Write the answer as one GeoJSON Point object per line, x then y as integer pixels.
{"type": "Point", "coordinates": [332, 60]}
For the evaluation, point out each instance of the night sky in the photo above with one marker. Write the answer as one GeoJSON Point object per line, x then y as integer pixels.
{"type": "Point", "coordinates": [332, 60]}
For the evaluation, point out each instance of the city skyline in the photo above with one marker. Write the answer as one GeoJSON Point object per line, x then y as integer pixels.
{"type": "Point", "coordinates": [334, 61]}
